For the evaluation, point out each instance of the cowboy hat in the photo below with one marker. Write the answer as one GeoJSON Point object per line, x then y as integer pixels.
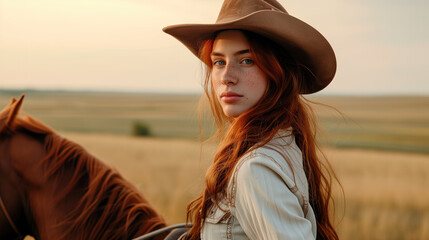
{"type": "Point", "coordinates": [269, 19]}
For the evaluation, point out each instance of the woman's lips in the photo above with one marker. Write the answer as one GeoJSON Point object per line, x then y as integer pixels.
{"type": "Point", "coordinates": [230, 97]}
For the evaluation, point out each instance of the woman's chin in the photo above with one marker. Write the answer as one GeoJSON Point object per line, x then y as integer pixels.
{"type": "Point", "coordinates": [232, 113]}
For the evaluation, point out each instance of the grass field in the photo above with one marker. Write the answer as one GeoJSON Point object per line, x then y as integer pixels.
{"type": "Point", "coordinates": [383, 123]}
{"type": "Point", "coordinates": [386, 194]}
{"type": "Point", "coordinates": [397, 123]}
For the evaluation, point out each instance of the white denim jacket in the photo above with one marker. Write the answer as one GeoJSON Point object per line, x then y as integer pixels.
{"type": "Point", "coordinates": [267, 197]}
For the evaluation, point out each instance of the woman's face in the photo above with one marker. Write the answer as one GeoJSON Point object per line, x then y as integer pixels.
{"type": "Point", "coordinates": [237, 81]}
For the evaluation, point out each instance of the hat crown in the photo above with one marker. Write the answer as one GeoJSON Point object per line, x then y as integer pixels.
{"type": "Point", "coordinates": [235, 9]}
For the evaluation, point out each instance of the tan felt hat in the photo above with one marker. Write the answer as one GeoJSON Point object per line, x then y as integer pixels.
{"type": "Point", "coordinates": [268, 18]}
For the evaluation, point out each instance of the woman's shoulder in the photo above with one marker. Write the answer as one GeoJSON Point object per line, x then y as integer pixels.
{"type": "Point", "coordinates": [265, 164]}
{"type": "Point", "coordinates": [280, 159]}
{"type": "Point", "coordinates": [281, 150]}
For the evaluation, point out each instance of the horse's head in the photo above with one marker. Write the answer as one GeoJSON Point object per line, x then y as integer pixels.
{"type": "Point", "coordinates": [23, 179]}
{"type": "Point", "coordinates": [13, 217]}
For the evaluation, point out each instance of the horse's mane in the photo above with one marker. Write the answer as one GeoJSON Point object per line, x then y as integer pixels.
{"type": "Point", "coordinates": [109, 208]}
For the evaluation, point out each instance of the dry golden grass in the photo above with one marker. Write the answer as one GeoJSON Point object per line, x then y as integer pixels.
{"type": "Point", "coordinates": [385, 193]}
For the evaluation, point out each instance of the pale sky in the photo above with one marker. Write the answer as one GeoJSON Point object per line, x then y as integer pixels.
{"type": "Point", "coordinates": [382, 46]}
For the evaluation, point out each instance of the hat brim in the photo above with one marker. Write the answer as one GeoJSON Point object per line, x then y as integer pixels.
{"type": "Point", "coordinates": [301, 40]}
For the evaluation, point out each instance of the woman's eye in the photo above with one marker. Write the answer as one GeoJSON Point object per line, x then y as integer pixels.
{"type": "Point", "coordinates": [219, 62]}
{"type": "Point", "coordinates": [247, 61]}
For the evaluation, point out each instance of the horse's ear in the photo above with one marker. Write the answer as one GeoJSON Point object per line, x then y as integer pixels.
{"type": "Point", "coordinates": [10, 112]}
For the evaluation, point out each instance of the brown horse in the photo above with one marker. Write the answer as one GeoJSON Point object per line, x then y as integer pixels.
{"type": "Point", "coordinates": [51, 188]}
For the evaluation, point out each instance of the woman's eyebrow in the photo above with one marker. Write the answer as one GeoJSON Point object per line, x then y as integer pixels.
{"type": "Point", "coordinates": [241, 52]}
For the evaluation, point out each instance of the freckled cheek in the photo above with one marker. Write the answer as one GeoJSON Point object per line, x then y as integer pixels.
{"type": "Point", "coordinates": [257, 84]}
{"type": "Point", "coordinates": [215, 77]}
{"type": "Point", "coordinates": [255, 80]}
{"type": "Point", "coordinates": [215, 83]}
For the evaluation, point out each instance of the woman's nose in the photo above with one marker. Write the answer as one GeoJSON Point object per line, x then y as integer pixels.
{"type": "Point", "coordinates": [229, 76]}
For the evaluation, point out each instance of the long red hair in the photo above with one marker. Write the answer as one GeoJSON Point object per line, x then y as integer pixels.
{"type": "Point", "coordinates": [281, 107]}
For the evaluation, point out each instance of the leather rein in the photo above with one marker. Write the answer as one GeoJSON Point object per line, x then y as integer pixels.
{"type": "Point", "coordinates": [9, 219]}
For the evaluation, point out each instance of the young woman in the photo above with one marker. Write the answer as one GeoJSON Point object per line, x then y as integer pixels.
{"type": "Point", "coordinates": [267, 180]}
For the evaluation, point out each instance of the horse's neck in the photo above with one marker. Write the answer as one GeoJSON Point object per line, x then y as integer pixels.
{"type": "Point", "coordinates": [13, 193]}
{"type": "Point", "coordinates": [26, 155]}
{"type": "Point", "coordinates": [51, 200]}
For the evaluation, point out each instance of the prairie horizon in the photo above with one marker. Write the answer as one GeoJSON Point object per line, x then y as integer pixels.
{"type": "Point", "coordinates": [388, 123]}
